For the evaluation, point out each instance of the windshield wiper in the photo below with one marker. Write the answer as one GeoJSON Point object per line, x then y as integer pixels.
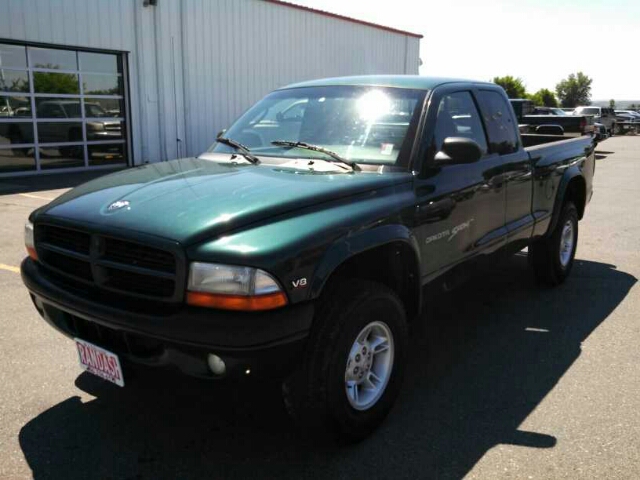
{"type": "Point", "coordinates": [244, 151]}
{"type": "Point", "coordinates": [316, 148]}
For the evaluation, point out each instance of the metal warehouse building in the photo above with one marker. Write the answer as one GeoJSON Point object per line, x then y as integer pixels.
{"type": "Point", "coordinates": [89, 84]}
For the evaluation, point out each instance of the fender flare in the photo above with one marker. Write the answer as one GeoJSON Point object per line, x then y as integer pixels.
{"type": "Point", "coordinates": [570, 174]}
{"type": "Point", "coordinates": [349, 246]}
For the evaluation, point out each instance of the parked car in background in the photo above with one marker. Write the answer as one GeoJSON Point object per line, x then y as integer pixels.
{"type": "Point", "coordinates": [66, 126]}
{"type": "Point", "coordinates": [298, 245]}
{"type": "Point", "coordinates": [549, 111]}
{"type": "Point", "coordinates": [553, 121]}
{"type": "Point", "coordinates": [635, 116]}
{"type": "Point", "coordinates": [625, 118]}
{"type": "Point", "coordinates": [603, 115]}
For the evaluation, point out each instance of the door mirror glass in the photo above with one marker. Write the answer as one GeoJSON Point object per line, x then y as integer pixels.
{"type": "Point", "coordinates": [457, 150]}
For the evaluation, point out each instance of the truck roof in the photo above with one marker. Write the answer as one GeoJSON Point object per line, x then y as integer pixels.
{"type": "Point", "coordinates": [416, 82]}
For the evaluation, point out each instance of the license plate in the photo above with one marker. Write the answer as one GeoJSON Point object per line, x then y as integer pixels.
{"type": "Point", "coordinates": [100, 362]}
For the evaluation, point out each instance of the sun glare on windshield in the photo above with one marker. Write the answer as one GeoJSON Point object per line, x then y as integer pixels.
{"type": "Point", "coordinates": [373, 105]}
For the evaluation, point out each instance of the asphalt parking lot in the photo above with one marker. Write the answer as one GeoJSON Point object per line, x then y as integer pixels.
{"type": "Point", "coordinates": [506, 380]}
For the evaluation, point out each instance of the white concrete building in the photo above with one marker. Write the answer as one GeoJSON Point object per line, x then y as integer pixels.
{"type": "Point", "coordinates": [103, 83]}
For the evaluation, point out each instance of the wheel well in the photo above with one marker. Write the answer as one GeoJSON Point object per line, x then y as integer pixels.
{"type": "Point", "coordinates": [577, 193]}
{"type": "Point", "coordinates": [394, 265]}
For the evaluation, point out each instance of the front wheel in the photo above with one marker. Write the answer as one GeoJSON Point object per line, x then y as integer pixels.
{"type": "Point", "coordinates": [552, 257]}
{"type": "Point", "coordinates": [355, 360]}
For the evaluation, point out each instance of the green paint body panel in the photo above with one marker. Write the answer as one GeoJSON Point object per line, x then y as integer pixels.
{"type": "Point", "coordinates": [192, 200]}
{"type": "Point", "coordinates": [299, 224]}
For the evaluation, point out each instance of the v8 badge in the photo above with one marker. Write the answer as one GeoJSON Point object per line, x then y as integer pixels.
{"type": "Point", "coordinates": [299, 283]}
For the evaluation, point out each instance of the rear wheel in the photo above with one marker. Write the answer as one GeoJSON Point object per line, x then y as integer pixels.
{"type": "Point", "coordinates": [552, 257]}
{"type": "Point", "coordinates": [355, 360]}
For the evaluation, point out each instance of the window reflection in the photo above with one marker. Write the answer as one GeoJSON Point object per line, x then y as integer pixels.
{"type": "Point", "coordinates": [48, 107]}
{"type": "Point", "coordinates": [52, 82]}
{"type": "Point", "coordinates": [61, 157]}
{"type": "Point", "coordinates": [102, 84]}
{"type": "Point", "coordinates": [103, 107]}
{"type": "Point", "coordinates": [62, 119]}
{"type": "Point", "coordinates": [14, 81]}
{"type": "Point", "coordinates": [17, 160]}
{"type": "Point", "coordinates": [14, 56]}
{"type": "Point", "coordinates": [105, 130]}
{"type": "Point", "coordinates": [107, 154]}
{"type": "Point", "coordinates": [58, 132]}
{"type": "Point", "coordinates": [53, 58]}
{"type": "Point", "coordinates": [98, 62]}
{"type": "Point", "coordinates": [15, 133]}
{"type": "Point", "coordinates": [15, 107]}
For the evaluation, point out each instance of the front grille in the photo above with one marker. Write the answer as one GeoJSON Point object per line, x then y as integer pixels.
{"type": "Point", "coordinates": [116, 265]}
{"type": "Point", "coordinates": [138, 255]}
{"type": "Point", "coordinates": [72, 266]}
{"type": "Point", "coordinates": [68, 239]}
{"type": "Point", "coordinates": [137, 283]}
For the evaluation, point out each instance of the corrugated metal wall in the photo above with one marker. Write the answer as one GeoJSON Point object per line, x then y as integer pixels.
{"type": "Point", "coordinates": [196, 65]}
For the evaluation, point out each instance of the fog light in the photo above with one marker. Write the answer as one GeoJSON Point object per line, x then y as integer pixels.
{"type": "Point", "coordinates": [216, 364]}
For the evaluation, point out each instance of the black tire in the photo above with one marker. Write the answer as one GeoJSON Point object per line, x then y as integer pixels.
{"type": "Point", "coordinates": [545, 254]}
{"type": "Point", "coordinates": [315, 395]}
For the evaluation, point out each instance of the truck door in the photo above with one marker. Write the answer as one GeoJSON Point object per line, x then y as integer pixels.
{"type": "Point", "coordinates": [460, 208]}
{"type": "Point", "coordinates": [504, 141]}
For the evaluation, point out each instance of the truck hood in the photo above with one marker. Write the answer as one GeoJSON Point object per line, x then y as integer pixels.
{"type": "Point", "coordinates": [191, 199]}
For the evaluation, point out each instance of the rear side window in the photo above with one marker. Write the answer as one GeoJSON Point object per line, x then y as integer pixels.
{"type": "Point", "coordinates": [503, 136]}
{"type": "Point", "coordinates": [459, 117]}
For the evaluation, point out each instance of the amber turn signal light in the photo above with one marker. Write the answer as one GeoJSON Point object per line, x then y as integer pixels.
{"type": "Point", "coordinates": [32, 253]}
{"type": "Point", "coordinates": [237, 302]}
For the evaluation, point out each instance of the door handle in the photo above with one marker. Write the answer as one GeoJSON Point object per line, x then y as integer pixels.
{"type": "Point", "coordinates": [436, 210]}
{"type": "Point", "coordinates": [493, 182]}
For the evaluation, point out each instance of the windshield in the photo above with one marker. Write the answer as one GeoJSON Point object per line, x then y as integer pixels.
{"type": "Point", "coordinates": [587, 111]}
{"type": "Point", "coordinates": [362, 124]}
{"type": "Point", "coordinates": [557, 111]}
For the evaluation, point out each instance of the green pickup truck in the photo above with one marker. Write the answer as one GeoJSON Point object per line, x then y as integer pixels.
{"type": "Point", "coordinates": [298, 246]}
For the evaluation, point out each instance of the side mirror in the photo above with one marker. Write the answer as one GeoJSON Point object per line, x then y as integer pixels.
{"type": "Point", "coordinates": [458, 150]}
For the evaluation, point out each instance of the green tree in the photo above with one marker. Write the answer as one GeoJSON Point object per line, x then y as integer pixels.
{"type": "Point", "coordinates": [513, 86]}
{"type": "Point", "coordinates": [545, 97]}
{"type": "Point", "coordinates": [53, 82]}
{"type": "Point", "coordinates": [49, 82]}
{"type": "Point", "coordinates": [612, 103]}
{"type": "Point", "coordinates": [575, 90]}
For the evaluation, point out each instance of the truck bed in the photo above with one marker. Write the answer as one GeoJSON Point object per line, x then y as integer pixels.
{"type": "Point", "coordinates": [533, 140]}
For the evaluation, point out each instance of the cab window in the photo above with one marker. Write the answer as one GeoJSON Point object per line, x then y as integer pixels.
{"type": "Point", "coordinates": [458, 117]}
{"type": "Point", "coordinates": [502, 130]}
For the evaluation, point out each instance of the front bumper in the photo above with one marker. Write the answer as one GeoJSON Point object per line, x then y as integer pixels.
{"type": "Point", "coordinates": [266, 344]}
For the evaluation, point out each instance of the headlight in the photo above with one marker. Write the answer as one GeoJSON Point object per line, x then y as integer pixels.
{"type": "Point", "coordinates": [29, 242]}
{"type": "Point", "coordinates": [233, 288]}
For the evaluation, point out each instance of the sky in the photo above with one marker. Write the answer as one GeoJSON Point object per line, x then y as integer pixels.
{"type": "Point", "coordinates": [540, 41]}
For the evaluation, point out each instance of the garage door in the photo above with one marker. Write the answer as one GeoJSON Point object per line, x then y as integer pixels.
{"type": "Point", "coordinates": [60, 109]}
